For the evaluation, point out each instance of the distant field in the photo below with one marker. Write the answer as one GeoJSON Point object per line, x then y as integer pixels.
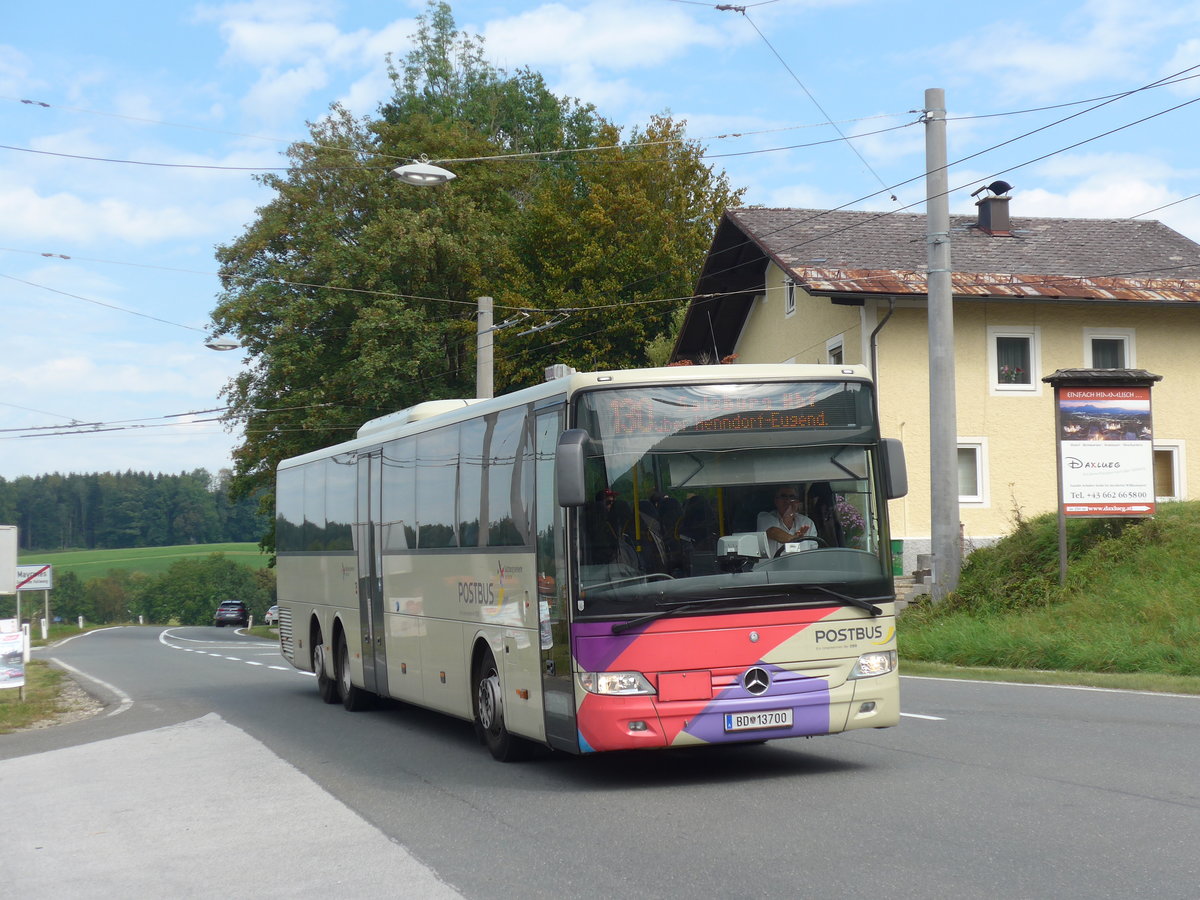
{"type": "Point", "coordinates": [150, 560]}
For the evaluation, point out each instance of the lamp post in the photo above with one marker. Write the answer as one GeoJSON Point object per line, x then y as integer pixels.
{"type": "Point", "coordinates": [422, 173]}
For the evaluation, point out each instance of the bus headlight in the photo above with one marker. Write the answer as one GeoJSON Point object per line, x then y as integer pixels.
{"type": "Point", "coordinates": [615, 683]}
{"type": "Point", "coordinates": [880, 662]}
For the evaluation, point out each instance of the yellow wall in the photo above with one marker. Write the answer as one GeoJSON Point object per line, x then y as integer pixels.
{"type": "Point", "coordinates": [770, 336]}
{"type": "Point", "coordinates": [1018, 427]}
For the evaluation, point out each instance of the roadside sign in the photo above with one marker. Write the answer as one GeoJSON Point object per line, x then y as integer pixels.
{"type": "Point", "coordinates": [35, 578]}
{"type": "Point", "coordinates": [8, 559]}
{"type": "Point", "coordinates": [12, 654]}
{"type": "Point", "coordinates": [1106, 451]}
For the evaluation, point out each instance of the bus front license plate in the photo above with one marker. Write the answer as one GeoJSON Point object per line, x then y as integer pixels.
{"type": "Point", "coordinates": [767, 718]}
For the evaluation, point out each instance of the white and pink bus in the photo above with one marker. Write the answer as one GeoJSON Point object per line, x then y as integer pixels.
{"type": "Point", "coordinates": [584, 564]}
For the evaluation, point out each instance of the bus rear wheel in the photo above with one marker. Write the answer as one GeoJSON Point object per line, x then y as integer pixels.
{"type": "Point", "coordinates": [353, 698]}
{"type": "Point", "coordinates": [326, 686]}
{"type": "Point", "coordinates": [489, 713]}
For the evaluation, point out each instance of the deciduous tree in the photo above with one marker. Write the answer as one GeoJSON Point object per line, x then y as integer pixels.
{"type": "Point", "coordinates": [355, 294]}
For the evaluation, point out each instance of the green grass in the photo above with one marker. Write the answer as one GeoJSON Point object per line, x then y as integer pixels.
{"type": "Point", "coordinates": [1130, 605]}
{"type": "Point", "coordinates": [41, 698]}
{"type": "Point", "coordinates": [149, 560]}
{"type": "Point", "coordinates": [1177, 684]}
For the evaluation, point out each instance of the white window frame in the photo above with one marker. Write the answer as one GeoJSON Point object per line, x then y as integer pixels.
{"type": "Point", "coordinates": [1178, 465]}
{"type": "Point", "coordinates": [838, 344]}
{"type": "Point", "coordinates": [982, 497]}
{"type": "Point", "coordinates": [1034, 335]}
{"type": "Point", "coordinates": [789, 298]}
{"type": "Point", "coordinates": [1125, 335]}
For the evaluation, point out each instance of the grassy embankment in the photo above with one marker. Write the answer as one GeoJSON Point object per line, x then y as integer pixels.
{"type": "Point", "coordinates": [1128, 615]}
{"type": "Point", "coordinates": [148, 560]}
{"type": "Point", "coordinates": [41, 698]}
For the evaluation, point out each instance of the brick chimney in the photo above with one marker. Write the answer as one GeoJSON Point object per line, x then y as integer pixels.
{"type": "Point", "coordinates": [993, 216]}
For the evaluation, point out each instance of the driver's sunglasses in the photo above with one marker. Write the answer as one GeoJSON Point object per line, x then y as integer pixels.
{"type": "Point", "coordinates": [786, 497]}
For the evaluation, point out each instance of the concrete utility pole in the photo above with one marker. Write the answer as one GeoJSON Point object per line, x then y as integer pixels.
{"type": "Point", "coordinates": [483, 349]}
{"type": "Point", "coordinates": [943, 419]}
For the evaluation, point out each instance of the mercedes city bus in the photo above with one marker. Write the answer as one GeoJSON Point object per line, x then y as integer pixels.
{"type": "Point", "coordinates": [583, 565]}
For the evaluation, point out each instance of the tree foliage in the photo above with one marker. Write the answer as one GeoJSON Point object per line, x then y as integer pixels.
{"type": "Point", "coordinates": [131, 509]}
{"type": "Point", "coordinates": [186, 594]}
{"type": "Point", "coordinates": [355, 294]}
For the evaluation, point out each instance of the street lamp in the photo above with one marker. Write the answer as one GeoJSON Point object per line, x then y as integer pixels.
{"type": "Point", "coordinates": [422, 173]}
{"type": "Point", "coordinates": [221, 343]}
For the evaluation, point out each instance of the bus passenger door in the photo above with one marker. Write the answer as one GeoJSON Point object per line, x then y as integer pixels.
{"type": "Point", "coordinates": [553, 592]}
{"type": "Point", "coordinates": [369, 545]}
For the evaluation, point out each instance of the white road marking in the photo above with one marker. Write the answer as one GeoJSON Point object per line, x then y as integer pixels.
{"type": "Point", "coordinates": [927, 718]}
{"type": "Point", "coordinates": [1057, 687]}
{"type": "Point", "coordinates": [126, 700]}
{"type": "Point", "coordinates": [166, 637]}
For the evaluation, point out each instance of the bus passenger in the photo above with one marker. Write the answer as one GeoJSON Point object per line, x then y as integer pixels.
{"type": "Point", "coordinates": [608, 522]}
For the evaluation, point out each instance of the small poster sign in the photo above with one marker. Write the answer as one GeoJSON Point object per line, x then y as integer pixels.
{"type": "Point", "coordinates": [12, 654]}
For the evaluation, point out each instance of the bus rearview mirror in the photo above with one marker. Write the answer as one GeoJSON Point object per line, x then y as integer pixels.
{"type": "Point", "coordinates": [895, 470]}
{"type": "Point", "coordinates": [568, 467]}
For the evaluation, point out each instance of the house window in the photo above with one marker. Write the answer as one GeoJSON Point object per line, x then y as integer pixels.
{"type": "Point", "coordinates": [833, 351]}
{"type": "Point", "coordinates": [1108, 348]}
{"type": "Point", "coordinates": [972, 471]}
{"type": "Point", "coordinates": [1168, 471]}
{"type": "Point", "coordinates": [1013, 360]}
{"type": "Point", "coordinates": [789, 298]}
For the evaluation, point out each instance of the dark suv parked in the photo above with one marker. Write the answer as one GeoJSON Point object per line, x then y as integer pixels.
{"type": "Point", "coordinates": [231, 612]}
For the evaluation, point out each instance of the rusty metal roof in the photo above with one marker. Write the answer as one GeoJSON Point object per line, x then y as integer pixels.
{"type": "Point", "coordinates": [851, 251]}
{"type": "Point", "coordinates": [985, 284]}
{"type": "Point", "coordinates": [851, 255]}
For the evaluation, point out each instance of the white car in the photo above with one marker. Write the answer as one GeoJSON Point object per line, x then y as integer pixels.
{"type": "Point", "coordinates": [272, 616]}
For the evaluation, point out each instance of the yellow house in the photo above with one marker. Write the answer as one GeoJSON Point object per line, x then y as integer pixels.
{"type": "Point", "coordinates": [1031, 296]}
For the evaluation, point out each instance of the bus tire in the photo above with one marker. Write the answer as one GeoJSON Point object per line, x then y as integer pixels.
{"type": "Point", "coordinates": [489, 713]}
{"type": "Point", "coordinates": [326, 686]}
{"type": "Point", "coordinates": [354, 698]}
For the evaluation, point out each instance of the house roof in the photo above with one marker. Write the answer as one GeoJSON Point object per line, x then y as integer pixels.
{"type": "Point", "coordinates": [850, 239]}
{"type": "Point", "coordinates": [854, 254]}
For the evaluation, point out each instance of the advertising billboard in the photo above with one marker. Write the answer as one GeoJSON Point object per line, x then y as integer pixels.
{"type": "Point", "coordinates": [1106, 451]}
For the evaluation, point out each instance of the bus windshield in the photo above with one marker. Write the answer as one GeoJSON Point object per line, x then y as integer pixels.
{"type": "Point", "coordinates": [729, 496]}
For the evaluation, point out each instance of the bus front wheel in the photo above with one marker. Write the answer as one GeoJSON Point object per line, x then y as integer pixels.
{"type": "Point", "coordinates": [489, 713]}
{"type": "Point", "coordinates": [326, 686]}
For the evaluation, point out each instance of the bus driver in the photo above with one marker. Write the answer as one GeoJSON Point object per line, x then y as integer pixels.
{"type": "Point", "coordinates": [785, 524]}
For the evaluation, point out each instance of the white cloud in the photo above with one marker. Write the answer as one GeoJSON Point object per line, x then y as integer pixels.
{"type": "Point", "coordinates": [276, 95]}
{"type": "Point", "coordinates": [15, 69]}
{"type": "Point", "coordinates": [27, 214]}
{"type": "Point", "coordinates": [612, 36]}
{"type": "Point", "coordinates": [1101, 40]}
{"type": "Point", "coordinates": [1186, 56]}
{"type": "Point", "coordinates": [582, 50]}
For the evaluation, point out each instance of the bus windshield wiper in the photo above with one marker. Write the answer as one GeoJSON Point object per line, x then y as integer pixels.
{"type": "Point", "coordinates": [863, 603]}
{"type": "Point", "coordinates": [671, 609]}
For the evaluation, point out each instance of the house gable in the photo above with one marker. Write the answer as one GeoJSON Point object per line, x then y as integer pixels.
{"type": "Point", "coordinates": [1039, 296]}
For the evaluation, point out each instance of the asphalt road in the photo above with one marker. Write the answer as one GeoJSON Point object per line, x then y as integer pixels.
{"type": "Point", "coordinates": [985, 790]}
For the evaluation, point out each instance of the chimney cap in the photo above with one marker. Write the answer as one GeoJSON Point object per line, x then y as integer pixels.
{"type": "Point", "coordinates": [996, 187]}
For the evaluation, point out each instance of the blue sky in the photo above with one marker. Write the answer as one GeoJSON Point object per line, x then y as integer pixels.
{"type": "Point", "coordinates": [112, 335]}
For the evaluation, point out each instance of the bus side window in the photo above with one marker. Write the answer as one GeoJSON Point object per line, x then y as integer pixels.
{"type": "Point", "coordinates": [437, 487]}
